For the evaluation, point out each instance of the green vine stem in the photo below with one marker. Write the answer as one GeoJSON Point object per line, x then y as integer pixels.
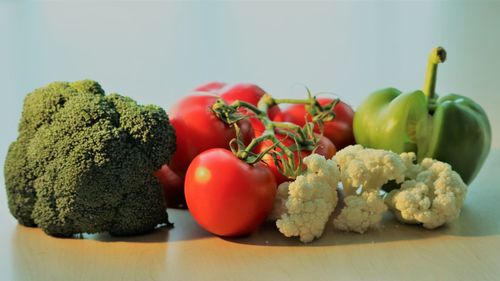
{"type": "Point", "coordinates": [286, 160]}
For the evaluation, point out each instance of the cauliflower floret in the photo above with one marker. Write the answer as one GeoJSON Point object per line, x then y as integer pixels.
{"type": "Point", "coordinates": [433, 196]}
{"type": "Point", "coordinates": [361, 212]}
{"type": "Point", "coordinates": [412, 169]}
{"type": "Point", "coordinates": [279, 207]}
{"type": "Point", "coordinates": [363, 171]}
{"type": "Point", "coordinates": [304, 205]}
{"type": "Point", "coordinates": [368, 168]}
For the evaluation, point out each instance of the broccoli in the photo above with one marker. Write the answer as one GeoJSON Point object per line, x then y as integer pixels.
{"type": "Point", "coordinates": [84, 162]}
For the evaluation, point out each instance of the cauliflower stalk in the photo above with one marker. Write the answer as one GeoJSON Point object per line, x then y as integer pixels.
{"type": "Point", "coordinates": [363, 171]}
{"type": "Point", "coordinates": [304, 205]}
{"type": "Point", "coordinates": [433, 195]}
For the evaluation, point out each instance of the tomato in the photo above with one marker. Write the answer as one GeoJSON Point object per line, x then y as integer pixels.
{"type": "Point", "coordinates": [325, 147]}
{"type": "Point", "coordinates": [249, 93]}
{"type": "Point", "coordinates": [269, 161]}
{"type": "Point", "coordinates": [257, 126]}
{"type": "Point", "coordinates": [173, 187]}
{"type": "Point", "coordinates": [252, 94]}
{"type": "Point", "coordinates": [227, 196]}
{"type": "Point", "coordinates": [339, 130]}
{"type": "Point", "coordinates": [197, 129]}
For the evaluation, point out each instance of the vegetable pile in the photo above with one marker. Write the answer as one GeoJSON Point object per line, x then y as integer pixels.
{"type": "Point", "coordinates": [235, 157]}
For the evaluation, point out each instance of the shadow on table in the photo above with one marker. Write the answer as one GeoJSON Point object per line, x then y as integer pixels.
{"type": "Point", "coordinates": [184, 228]}
{"type": "Point", "coordinates": [158, 235]}
{"type": "Point", "coordinates": [475, 221]}
{"type": "Point", "coordinates": [268, 235]}
{"type": "Point", "coordinates": [390, 231]}
{"type": "Point", "coordinates": [471, 223]}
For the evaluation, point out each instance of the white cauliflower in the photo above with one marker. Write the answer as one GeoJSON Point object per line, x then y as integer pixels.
{"type": "Point", "coordinates": [368, 168]}
{"type": "Point", "coordinates": [363, 171]}
{"type": "Point", "coordinates": [361, 212]}
{"type": "Point", "coordinates": [304, 205]}
{"type": "Point", "coordinates": [433, 195]}
{"type": "Point", "coordinates": [412, 169]}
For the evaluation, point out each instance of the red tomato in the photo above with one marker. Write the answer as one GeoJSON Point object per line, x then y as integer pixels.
{"type": "Point", "coordinates": [249, 93]}
{"type": "Point", "coordinates": [227, 196]}
{"type": "Point", "coordinates": [339, 130]}
{"type": "Point", "coordinates": [173, 187]}
{"type": "Point", "coordinates": [325, 147]}
{"type": "Point", "coordinates": [257, 126]}
{"type": "Point", "coordinates": [196, 130]}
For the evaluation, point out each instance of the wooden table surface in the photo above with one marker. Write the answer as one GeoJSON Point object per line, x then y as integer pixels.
{"type": "Point", "coordinates": [469, 249]}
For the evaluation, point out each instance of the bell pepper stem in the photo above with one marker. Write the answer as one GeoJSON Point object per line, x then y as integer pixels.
{"type": "Point", "coordinates": [437, 56]}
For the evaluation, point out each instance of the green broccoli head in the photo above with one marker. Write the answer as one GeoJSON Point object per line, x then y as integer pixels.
{"type": "Point", "coordinates": [84, 162]}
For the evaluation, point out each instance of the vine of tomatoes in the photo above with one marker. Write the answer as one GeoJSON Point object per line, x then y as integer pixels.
{"type": "Point", "coordinates": [235, 145]}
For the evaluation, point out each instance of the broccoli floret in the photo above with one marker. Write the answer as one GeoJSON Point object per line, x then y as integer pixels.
{"type": "Point", "coordinates": [84, 162]}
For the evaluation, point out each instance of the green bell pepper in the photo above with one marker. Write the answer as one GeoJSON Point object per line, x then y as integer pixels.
{"type": "Point", "coordinates": [451, 128]}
